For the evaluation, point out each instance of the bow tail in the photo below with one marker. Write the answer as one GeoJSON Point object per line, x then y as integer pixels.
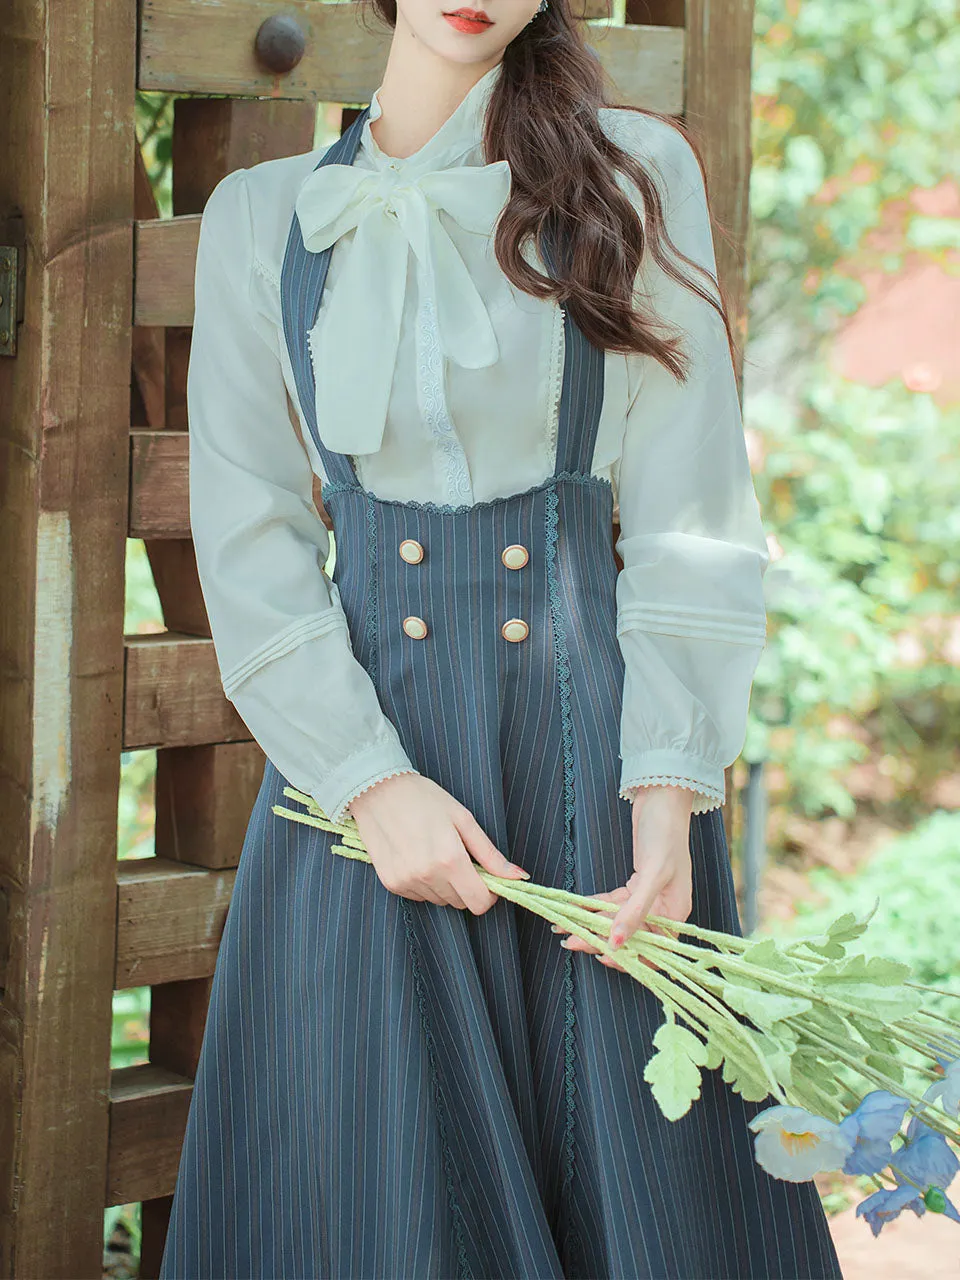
{"type": "Point", "coordinates": [466, 331]}
{"type": "Point", "coordinates": [354, 363]}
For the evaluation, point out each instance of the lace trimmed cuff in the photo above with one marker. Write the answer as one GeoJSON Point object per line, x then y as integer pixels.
{"type": "Point", "coordinates": [674, 769]}
{"type": "Point", "coordinates": [357, 773]}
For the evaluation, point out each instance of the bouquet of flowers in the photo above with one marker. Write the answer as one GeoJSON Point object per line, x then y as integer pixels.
{"type": "Point", "coordinates": [827, 1034]}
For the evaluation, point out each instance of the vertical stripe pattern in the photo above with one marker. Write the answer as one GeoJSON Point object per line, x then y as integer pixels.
{"type": "Point", "coordinates": [392, 1090]}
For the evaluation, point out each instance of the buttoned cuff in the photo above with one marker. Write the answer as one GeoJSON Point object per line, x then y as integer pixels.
{"type": "Point", "coordinates": [662, 768]}
{"type": "Point", "coordinates": [369, 765]}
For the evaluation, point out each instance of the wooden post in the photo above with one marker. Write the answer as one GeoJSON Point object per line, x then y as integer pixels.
{"type": "Point", "coordinates": [66, 170]}
{"type": "Point", "coordinates": [717, 104]}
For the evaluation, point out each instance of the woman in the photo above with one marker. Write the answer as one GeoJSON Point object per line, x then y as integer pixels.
{"type": "Point", "coordinates": [402, 1075]}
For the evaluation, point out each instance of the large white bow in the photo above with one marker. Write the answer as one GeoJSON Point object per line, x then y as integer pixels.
{"type": "Point", "coordinates": [354, 360]}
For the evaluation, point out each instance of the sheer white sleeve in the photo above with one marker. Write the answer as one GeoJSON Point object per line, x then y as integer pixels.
{"type": "Point", "coordinates": [280, 634]}
{"type": "Point", "coordinates": [691, 618]}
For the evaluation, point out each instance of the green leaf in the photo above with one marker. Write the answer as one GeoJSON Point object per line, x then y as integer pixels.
{"type": "Point", "coordinates": [764, 1008]}
{"type": "Point", "coordinates": [847, 927]}
{"type": "Point", "coordinates": [714, 1053]}
{"type": "Point", "coordinates": [824, 945]}
{"type": "Point", "coordinates": [888, 1004]}
{"type": "Point", "coordinates": [779, 1056]}
{"type": "Point", "coordinates": [673, 1073]}
{"type": "Point", "coordinates": [872, 970]}
{"type": "Point", "coordinates": [892, 1069]}
{"type": "Point", "coordinates": [767, 955]}
{"type": "Point", "coordinates": [743, 1072]}
{"type": "Point", "coordinates": [828, 1023]}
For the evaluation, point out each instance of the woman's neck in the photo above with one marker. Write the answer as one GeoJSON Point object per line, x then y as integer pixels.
{"type": "Point", "coordinates": [420, 91]}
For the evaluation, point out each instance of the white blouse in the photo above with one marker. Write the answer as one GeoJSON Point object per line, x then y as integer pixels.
{"type": "Point", "coordinates": [442, 382]}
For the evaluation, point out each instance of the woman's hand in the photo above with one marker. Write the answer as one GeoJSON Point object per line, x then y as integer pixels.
{"type": "Point", "coordinates": [420, 839]}
{"type": "Point", "coordinates": [662, 883]}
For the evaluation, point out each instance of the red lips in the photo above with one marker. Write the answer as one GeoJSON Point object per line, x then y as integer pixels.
{"type": "Point", "coordinates": [475, 15]}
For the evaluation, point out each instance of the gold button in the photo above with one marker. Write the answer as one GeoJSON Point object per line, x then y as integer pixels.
{"type": "Point", "coordinates": [411, 550]}
{"type": "Point", "coordinates": [515, 556]}
{"type": "Point", "coordinates": [415, 627]}
{"type": "Point", "coordinates": [514, 629]}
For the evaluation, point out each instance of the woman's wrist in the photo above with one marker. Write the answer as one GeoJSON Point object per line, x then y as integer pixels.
{"type": "Point", "coordinates": [675, 799]}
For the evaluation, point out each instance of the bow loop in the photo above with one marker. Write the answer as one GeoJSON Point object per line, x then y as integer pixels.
{"type": "Point", "coordinates": [392, 214]}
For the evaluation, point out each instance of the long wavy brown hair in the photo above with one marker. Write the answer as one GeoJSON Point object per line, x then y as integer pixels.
{"type": "Point", "coordinates": [542, 118]}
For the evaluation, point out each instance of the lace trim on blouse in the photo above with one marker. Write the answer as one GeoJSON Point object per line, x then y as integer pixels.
{"type": "Point", "coordinates": [343, 809]}
{"type": "Point", "coordinates": [707, 797]}
{"type": "Point", "coordinates": [433, 405]}
{"type": "Point", "coordinates": [556, 378]}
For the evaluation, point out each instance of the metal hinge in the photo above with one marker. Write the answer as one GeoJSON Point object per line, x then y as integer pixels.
{"type": "Point", "coordinates": [12, 263]}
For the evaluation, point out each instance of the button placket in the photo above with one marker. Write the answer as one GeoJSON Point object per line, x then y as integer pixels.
{"type": "Point", "coordinates": [412, 552]}
{"type": "Point", "coordinates": [515, 556]}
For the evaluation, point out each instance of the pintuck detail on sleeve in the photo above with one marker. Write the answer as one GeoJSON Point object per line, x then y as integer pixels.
{"type": "Point", "coordinates": [280, 634]}
{"type": "Point", "coordinates": [691, 619]}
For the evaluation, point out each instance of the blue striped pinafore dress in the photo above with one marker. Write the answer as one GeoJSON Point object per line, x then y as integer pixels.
{"type": "Point", "coordinates": [394, 1090]}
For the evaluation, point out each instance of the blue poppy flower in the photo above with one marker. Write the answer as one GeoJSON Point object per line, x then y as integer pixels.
{"type": "Point", "coordinates": [925, 1159]}
{"type": "Point", "coordinates": [871, 1127]}
{"type": "Point", "coordinates": [947, 1089]}
{"type": "Point", "coordinates": [883, 1206]}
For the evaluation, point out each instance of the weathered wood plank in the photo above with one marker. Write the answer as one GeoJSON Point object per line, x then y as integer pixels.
{"type": "Point", "coordinates": [173, 696]}
{"type": "Point", "coordinates": [169, 920]}
{"type": "Point", "coordinates": [148, 1115]}
{"type": "Point", "coordinates": [718, 105]}
{"type": "Point", "coordinates": [187, 46]}
{"type": "Point", "coordinates": [204, 797]}
{"type": "Point", "coordinates": [644, 65]}
{"type": "Point", "coordinates": [149, 357]}
{"type": "Point", "coordinates": [67, 68]}
{"type": "Point", "coordinates": [159, 484]}
{"type": "Point", "coordinates": [166, 257]}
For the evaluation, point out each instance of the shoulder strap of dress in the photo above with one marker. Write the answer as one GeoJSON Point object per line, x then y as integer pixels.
{"type": "Point", "coordinates": [302, 278]}
{"type": "Point", "coordinates": [581, 395]}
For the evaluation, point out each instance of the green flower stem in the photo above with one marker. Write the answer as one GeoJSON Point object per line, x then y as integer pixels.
{"type": "Point", "coordinates": [868, 1073]}
{"type": "Point", "coordinates": [892, 1057]}
{"type": "Point", "coordinates": [829, 1105]}
{"type": "Point", "coordinates": [648, 977]}
{"type": "Point", "coordinates": [852, 1101]}
{"type": "Point", "coordinates": [940, 991]}
{"type": "Point", "coordinates": [782, 982]}
{"type": "Point", "coordinates": [943, 1040]}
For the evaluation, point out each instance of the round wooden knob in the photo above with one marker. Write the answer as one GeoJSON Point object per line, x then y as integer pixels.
{"type": "Point", "coordinates": [280, 43]}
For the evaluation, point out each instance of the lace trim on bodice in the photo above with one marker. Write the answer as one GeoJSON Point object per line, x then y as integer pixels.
{"type": "Point", "coordinates": [333, 487]}
{"type": "Point", "coordinates": [433, 403]}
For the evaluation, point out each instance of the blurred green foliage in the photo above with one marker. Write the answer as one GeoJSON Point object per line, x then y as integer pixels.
{"type": "Point", "coordinates": [916, 877]}
{"type": "Point", "coordinates": [855, 106]}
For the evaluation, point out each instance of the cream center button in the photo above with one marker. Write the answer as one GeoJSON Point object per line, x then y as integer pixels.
{"type": "Point", "coordinates": [514, 629]}
{"type": "Point", "coordinates": [415, 627]}
{"type": "Point", "coordinates": [515, 556]}
{"type": "Point", "coordinates": [411, 550]}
